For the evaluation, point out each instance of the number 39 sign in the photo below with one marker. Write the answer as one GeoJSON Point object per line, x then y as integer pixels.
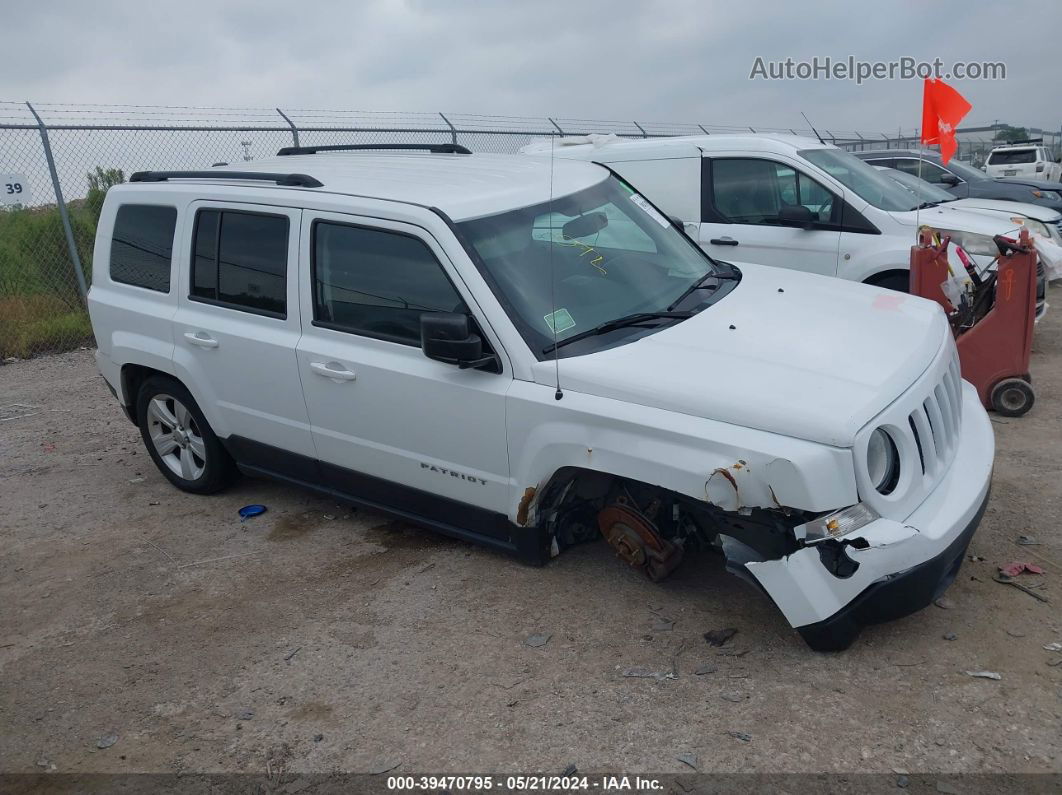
{"type": "Point", "coordinates": [14, 189]}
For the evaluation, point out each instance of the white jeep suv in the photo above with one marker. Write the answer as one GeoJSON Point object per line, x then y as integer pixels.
{"type": "Point", "coordinates": [530, 355]}
{"type": "Point", "coordinates": [1023, 159]}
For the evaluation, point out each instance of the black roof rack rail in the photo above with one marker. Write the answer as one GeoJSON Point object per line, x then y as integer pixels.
{"type": "Point", "coordinates": [287, 180]}
{"type": "Point", "coordinates": [1022, 141]}
{"type": "Point", "coordinates": [436, 149]}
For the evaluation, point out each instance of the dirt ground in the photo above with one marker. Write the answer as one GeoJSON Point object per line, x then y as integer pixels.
{"type": "Point", "coordinates": [317, 638]}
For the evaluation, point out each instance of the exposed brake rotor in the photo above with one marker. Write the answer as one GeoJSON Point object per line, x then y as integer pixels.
{"type": "Point", "coordinates": [637, 540]}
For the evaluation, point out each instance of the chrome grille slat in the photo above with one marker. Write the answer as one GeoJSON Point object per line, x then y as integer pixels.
{"type": "Point", "coordinates": [957, 384]}
{"type": "Point", "coordinates": [944, 401]}
{"type": "Point", "coordinates": [956, 379]}
{"type": "Point", "coordinates": [936, 420]}
{"type": "Point", "coordinates": [927, 444]}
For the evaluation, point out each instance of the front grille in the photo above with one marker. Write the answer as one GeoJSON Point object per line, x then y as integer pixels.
{"type": "Point", "coordinates": [935, 423]}
{"type": "Point", "coordinates": [925, 423]}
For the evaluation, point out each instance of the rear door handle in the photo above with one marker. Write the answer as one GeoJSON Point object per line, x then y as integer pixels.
{"type": "Point", "coordinates": [200, 338]}
{"type": "Point", "coordinates": [723, 241]}
{"type": "Point", "coordinates": [333, 370]}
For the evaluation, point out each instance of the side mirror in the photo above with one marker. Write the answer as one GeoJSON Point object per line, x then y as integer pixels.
{"type": "Point", "coordinates": [796, 215]}
{"type": "Point", "coordinates": [446, 337]}
{"type": "Point", "coordinates": [949, 179]}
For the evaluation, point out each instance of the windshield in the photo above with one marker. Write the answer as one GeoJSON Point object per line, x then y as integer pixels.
{"type": "Point", "coordinates": [601, 254]}
{"type": "Point", "coordinates": [861, 178]}
{"type": "Point", "coordinates": [922, 190]}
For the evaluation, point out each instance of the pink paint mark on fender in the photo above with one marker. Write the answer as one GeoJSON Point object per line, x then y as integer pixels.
{"type": "Point", "coordinates": [889, 303]}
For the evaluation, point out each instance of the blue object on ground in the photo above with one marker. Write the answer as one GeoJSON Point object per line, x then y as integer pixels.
{"type": "Point", "coordinates": [247, 511]}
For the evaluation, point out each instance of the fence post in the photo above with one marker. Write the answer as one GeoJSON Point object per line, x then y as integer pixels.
{"type": "Point", "coordinates": [64, 217]}
{"type": "Point", "coordinates": [641, 129]}
{"type": "Point", "coordinates": [453, 130]}
{"type": "Point", "coordinates": [703, 130]}
{"type": "Point", "coordinates": [291, 124]}
{"type": "Point", "coordinates": [556, 125]}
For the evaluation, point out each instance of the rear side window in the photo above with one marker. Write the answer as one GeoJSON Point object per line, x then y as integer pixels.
{"type": "Point", "coordinates": [240, 260]}
{"type": "Point", "coordinates": [142, 246]}
{"type": "Point", "coordinates": [930, 172]}
{"type": "Point", "coordinates": [377, 283]}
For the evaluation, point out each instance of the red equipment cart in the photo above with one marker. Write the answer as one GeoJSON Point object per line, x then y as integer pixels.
{"type": "Point", "coordinates": [993, 332]}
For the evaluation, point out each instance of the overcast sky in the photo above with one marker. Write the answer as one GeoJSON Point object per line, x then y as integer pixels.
{"type": "Point", "coordinates": [673, 61]}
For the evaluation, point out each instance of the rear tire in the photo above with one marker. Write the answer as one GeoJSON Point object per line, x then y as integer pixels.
{"type": "Point", "coordinates": [1012, 397]}
{"type": "Point", "coordinates": [179, 439]}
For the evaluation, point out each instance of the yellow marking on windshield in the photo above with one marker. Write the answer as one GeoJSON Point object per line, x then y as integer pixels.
{"type": "Point", "coordinates": [596, 261]}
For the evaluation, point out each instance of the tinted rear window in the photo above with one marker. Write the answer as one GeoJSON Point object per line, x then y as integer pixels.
{"type": "Point", "coordinates": [240, 260]}
{"type": "Point", "coordinates": [142, 246]}
{"type": "Point", "coordinates": [1012, 157]}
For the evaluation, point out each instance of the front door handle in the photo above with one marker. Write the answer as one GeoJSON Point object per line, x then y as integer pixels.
{"type": "Point", "coordinates": [723, 241]}
{"type": "Point", "coordinates": [201, 338]}
{"type": "Point", "coordinates": [333, 370]}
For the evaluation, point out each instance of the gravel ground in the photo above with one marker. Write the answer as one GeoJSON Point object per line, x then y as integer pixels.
{"type": "Point", "coordinates": [317, 638]}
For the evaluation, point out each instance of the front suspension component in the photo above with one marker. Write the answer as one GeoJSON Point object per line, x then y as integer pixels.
{"type": "Point", "coordinates": [637, 540]}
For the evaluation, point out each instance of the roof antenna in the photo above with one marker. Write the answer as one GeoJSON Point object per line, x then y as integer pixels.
{"type": "Point", "coordinates": [552, 282]}
{"type": "Point", "coordinates": [812, 126]}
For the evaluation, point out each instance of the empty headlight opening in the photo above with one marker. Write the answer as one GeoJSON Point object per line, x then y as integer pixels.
{"type": "Point", "coordinates": [883, 461]}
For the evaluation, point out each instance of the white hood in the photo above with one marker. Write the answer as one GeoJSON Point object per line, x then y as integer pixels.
{"type": "Point", "coordinates": [1044, 214]}
{"type": "Point", "coordinates": [808, 356]}
{"type": "Point", "coordinates": [944, 216]}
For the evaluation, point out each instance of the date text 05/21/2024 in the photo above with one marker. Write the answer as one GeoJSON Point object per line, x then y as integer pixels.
{"type": "Point", "coordinates": [532, 783]}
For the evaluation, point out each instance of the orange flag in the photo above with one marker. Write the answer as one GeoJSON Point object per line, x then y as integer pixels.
{"type": "Point", "coordinates": [942, 109]}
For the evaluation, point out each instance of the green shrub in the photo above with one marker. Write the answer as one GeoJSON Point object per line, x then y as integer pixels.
{"type": "Point", "coordinates": [33, 324]}
{"type": "Point", "coordinates": [40, 303]}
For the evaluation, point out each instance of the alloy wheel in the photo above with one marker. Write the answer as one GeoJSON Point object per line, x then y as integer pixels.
{"type": "Point", "coordinates": [176, 437]}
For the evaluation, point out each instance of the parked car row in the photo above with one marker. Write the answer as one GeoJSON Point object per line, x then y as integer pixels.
{"type": "Point", "coordinates": [790, 202]}
{"type": "Point", "coordinates": [531, 352]}
{"type": "Point", "coordinates": [1036, 218]}
{"type": "Point", "coordinates": [966, 181]}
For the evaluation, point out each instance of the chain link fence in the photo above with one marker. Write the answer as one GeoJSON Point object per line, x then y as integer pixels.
{"type": "Point", "coordinates": [57, 162]}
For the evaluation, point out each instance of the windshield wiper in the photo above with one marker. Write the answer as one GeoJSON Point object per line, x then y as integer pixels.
{"type": "Point", "coordinates": [700, 285]}
{"type": "Point", "coordinates": [926, 205]}
{"type": "Point", "coordinates": [619, 322]}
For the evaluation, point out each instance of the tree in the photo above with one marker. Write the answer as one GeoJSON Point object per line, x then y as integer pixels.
{"type": "Point", "coordinates": [100, 181]}
{"type": "Point", "coordinates": [1009, 134]}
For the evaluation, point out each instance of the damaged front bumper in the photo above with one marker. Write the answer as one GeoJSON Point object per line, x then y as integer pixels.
{"type": "Point", "coordinates": [902, 566]}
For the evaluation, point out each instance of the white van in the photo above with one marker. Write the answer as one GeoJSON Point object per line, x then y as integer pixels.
{"type": "Point", "coordinates": [783, 200]}
{"type": "Point", "coordinates": [529, 356]}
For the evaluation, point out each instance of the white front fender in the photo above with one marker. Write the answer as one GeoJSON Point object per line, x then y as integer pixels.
{"type": "Point", "coordinates": [729, 466]}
